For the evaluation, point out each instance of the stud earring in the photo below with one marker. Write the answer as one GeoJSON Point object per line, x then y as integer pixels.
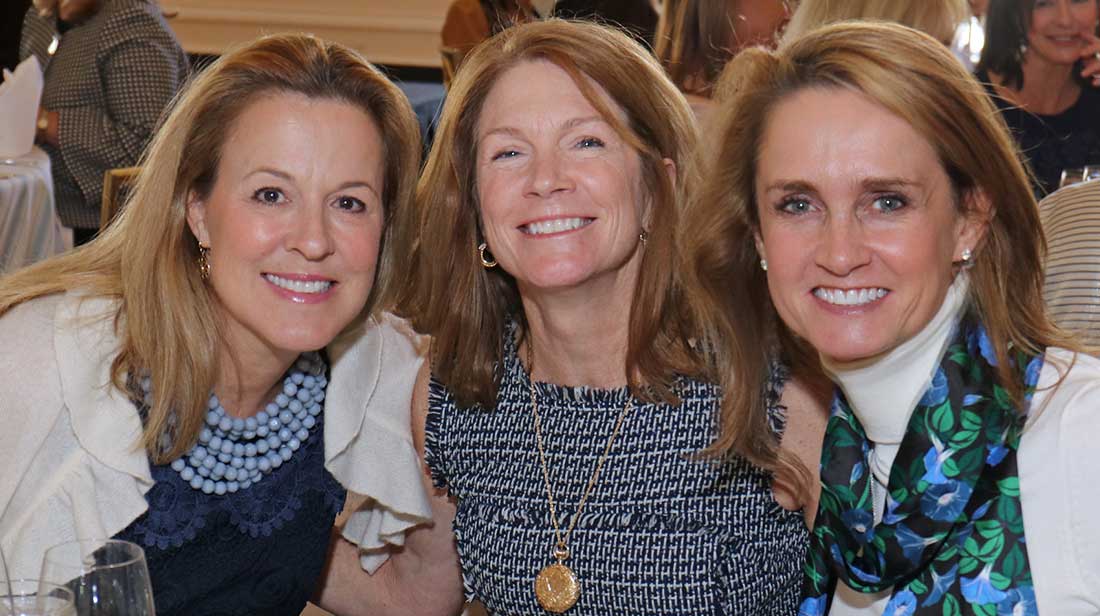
{"type": "Point", "coordinates": [764, 264]}
{"type": "Point", "coordinates": [204, 262]}
{"type": "Point", "coordinates": [643, 237]}
{"type": "Point", "coordinates": [966, 255]}
{"type": "Point", "coordinates": [489, 263]}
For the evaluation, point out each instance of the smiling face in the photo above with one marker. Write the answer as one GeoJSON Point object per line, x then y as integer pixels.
{"type": "Point", "coordinates": [293, 223]}
{"type": "Point", "coordinates": [561, 196]}
{"type": "Point", "coordinates": [1057, 29]}
{"type": "Point", "coordinates": [858, 223]}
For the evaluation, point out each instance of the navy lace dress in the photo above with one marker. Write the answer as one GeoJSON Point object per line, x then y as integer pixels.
{"type": "Point", "coordinates": [661, 534]}
{"type": "Point", "coordinates": [256, 552]}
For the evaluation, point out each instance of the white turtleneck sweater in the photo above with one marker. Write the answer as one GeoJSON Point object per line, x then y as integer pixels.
{"type": "Point", "coordinates": [1059, 455]}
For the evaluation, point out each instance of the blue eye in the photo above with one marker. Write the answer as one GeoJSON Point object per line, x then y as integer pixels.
{"type": "Point", "coordinates": [590, 142]}
{"type": "Point", "coordinates": [268, 195]}
{"type": "Point", "coordinates": [503, 154]}
{"type": "Point", "coordinates": [889, 203]}
{"type": "Point", "coordinates": [350, 204]}
{"type": "Point", "coordinates": [795, 205]}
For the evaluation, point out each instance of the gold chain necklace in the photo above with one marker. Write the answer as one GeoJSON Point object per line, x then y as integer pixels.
{"type": "Point", "coordinates": [556, 586]}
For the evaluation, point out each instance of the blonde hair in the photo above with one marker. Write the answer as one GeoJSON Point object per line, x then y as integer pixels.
{"type": "Point", "coordinates": [937, 18]}
{"type": "Point", "coordinates": [464, 306]}
{"type": "Point", "coordinates": [916, 78]}
{"type": "Point", "coordinates": [146, 259]}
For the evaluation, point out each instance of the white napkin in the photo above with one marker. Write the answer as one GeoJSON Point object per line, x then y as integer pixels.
{"type": "Point", "coordinates": [19, 95]}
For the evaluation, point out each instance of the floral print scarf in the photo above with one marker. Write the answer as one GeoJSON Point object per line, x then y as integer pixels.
{"type": "Point", "coordinates": [951, 539]}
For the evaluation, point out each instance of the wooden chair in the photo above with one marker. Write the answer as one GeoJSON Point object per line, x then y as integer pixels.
{"type": "Point", "coordinates": [115, 184]}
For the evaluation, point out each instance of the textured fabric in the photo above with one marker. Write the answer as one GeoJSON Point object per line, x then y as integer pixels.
{"type": "Point", "coordinates": [110, 80]}
{"type": "Point", "coordinates": [269, 541]}
{"type": "Point", "coordinates": [1071, 223]}
{"type": "Point", "coordinates": [661, 534]}
{"type": "Point", "coordinates": [1052, 143]}
{"type": "Point", "coordinates": [70, 471]}
{"type": "Point", "coordinates": [952, 536]}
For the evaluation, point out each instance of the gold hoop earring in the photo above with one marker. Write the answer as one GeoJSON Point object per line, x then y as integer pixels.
{"type": "Point", "coordinates": [489, 263]}
{"type": "Point", "coordinates": [204, 262]}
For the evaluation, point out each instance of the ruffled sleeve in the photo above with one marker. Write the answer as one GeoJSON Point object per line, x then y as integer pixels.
{"type": "Point", "coordinates": [368, 437]}
{"type": "Point", "coordinates": [74, 468]}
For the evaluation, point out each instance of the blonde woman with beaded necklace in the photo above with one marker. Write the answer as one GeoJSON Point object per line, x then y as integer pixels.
{"type": "Point", "coordinates": [166, 383]}
{"type": "Point", "coordinates": [564, 413]}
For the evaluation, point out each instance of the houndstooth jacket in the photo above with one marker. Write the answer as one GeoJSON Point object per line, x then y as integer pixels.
{"type": "Point", "coordinates": [109, 79]}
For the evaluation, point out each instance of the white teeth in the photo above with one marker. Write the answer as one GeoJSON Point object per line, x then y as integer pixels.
{"type": "Point", "coordinates": [299, 286]}
{"type": "Point", "coordinates": [556, 225]}
{"type": "Point", "coordinates": [851, 297]}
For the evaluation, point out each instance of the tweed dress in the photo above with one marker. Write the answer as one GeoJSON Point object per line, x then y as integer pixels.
{"type": "Point", "coordinates": [661, 534]}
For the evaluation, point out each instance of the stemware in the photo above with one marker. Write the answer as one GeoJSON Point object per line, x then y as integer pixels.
{"type": "Point", "coordinates": [107, 577]}
{"type": "Point", "coordinates": [35, 598]}
{"type": "Point", "coordinates": [1070, 176]}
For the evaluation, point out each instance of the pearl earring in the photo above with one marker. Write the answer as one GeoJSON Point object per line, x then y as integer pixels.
{"type": "Point", "coordinates": [764, 264]}
{"type": "Point", "coordinates": [966, 254]}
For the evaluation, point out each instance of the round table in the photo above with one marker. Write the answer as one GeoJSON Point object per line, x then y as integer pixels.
{"type": "Point", "coordinates": [29, 227]}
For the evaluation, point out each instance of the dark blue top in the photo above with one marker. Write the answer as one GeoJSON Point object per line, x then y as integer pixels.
{"type": "Point", "coordinates": [256, 552]}
{"type": "Point", "coordinates": [662, 533]}
{"type": "Point", "coordinates": [1052, 143]}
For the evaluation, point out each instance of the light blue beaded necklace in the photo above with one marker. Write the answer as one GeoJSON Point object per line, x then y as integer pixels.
{"type": "Point", "coordinates": [233, 453]}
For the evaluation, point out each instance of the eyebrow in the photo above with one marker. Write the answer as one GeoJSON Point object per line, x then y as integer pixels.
{"type": "Point", "coordinates": [286, 176]}
{"type": "Point", "coordinates": [870, 184]}
{"type": "Point", "coordinates": [567, 125]}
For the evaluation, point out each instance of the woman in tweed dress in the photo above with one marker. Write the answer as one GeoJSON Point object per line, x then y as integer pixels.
{"type": "Point", "coordinates": [111, 68]}
{"type": "Point", "coordinates": [564, 408]}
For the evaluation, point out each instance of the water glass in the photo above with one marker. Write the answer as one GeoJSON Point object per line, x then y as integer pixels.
{"type": "Point", "coordinates": [35, 598]}
{"type": "Point", "coordinates": [107, 577]}
{"type": "Point", "coordinates": [1070, 176]}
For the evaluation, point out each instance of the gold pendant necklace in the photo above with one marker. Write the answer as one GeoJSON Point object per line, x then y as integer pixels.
{"type": "Point", "coordinates": [556, 586]}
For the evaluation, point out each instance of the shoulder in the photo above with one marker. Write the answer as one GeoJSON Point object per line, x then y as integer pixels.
{"type": "Point", "coordinates": [125, 22]}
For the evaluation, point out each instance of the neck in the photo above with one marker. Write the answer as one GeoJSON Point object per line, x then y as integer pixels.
{"type": "Point", "coordinates": [579, 337]}
{"type": "Point", "coordinates": [247, 381]}
{"type": "Point", "coordinates": [1049, 89]}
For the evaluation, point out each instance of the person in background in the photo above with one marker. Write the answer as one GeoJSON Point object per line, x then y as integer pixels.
{"type": "Point", "coordinates": [638, 17]}
{"type": "Point", "coordinates": [695, 39]}
{"type": "Point", "coordinates": [111, 68]}
{"type": "Point", "coordinates": [1071, 224]}
{"type": "Point", "coordinates": [866, 206]}
{"type": "Point", "coordinates": [1041, 62]}
{"type": "Point", "coordinates": [167, 382]}
{"type": "Point", "coordinates": [469, 22]}
{"type": "Point", "coordinates": [937, 18]}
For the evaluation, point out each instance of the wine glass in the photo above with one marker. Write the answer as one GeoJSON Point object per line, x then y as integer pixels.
{"type": "Point", "coordinates": [1070, 176]}
{"type": "Point", "coordinates": [107, 577]}
{"type": "Point", "coordinates": [1092, 172]}
{"type": "Point", "coordinates": [35, 598]}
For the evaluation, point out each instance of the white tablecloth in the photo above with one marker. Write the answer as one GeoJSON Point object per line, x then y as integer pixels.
{"type": "Point", "coordinates": [29, 228]}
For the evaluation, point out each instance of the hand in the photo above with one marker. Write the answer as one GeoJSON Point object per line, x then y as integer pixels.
{"type": "Point", "coordinates": [1090, 57]}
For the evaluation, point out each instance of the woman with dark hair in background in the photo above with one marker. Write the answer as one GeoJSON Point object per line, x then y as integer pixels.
{"type": "Point", "coordinates": [1041, 64]}
{"type": "Point", "coordinates": [695, 39]}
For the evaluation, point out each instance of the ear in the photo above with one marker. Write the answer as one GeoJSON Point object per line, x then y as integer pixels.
{"type": "Point", "coordinates": [670, 169]}
{"type": "Point", "coordinates": [973, 224]}
{"type": "Point", "coordinates": [759, 244]}
{"type": "Point", "coordinates": [196, 218]}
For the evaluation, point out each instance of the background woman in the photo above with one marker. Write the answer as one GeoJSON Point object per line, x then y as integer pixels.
{"type": "Point", "coordinates": [695, 38]}
{"type": "Point", "coordinates": [169, 386]}
{"type": "Point", "coordinates": [910, 263]}
{"type": "Point", "coordinates": [1042, 62]}
{"type": "Point", "coordinates": [565, 407]}
{"type": "Point", "coordinates": [111, 69]}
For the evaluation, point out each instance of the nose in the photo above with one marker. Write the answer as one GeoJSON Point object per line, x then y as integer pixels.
{"type": "Point", "coordinates": [841, 249]}
{"type": "Point", "coordinates": [547, 175]}
{"type": "Point", "coordinates": [1065, 13]}
{"type": "Point", "coordinates": [310, 233]}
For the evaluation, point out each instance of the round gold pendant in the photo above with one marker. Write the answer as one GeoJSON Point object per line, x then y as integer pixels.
{"type": "Point", "coordinates": [557, 588]}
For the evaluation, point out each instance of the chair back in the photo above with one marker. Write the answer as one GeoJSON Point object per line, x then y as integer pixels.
{"type": "Point", "coordinates": [116, 182]}
{"type": "Point", "coordinates": [1071, 222]}
{"type": "Point", "coordinates": [450, 58]}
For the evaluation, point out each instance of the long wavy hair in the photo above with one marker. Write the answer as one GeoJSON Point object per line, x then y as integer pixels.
{"type": "Point", "coordinates": [916, 78]}
{"type": "Point", "coordinates": [1006, 26]}
{"type": "Point", "coordinates": [167, 318]}
{"type": "Point", "coordinates": [449, 295]}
